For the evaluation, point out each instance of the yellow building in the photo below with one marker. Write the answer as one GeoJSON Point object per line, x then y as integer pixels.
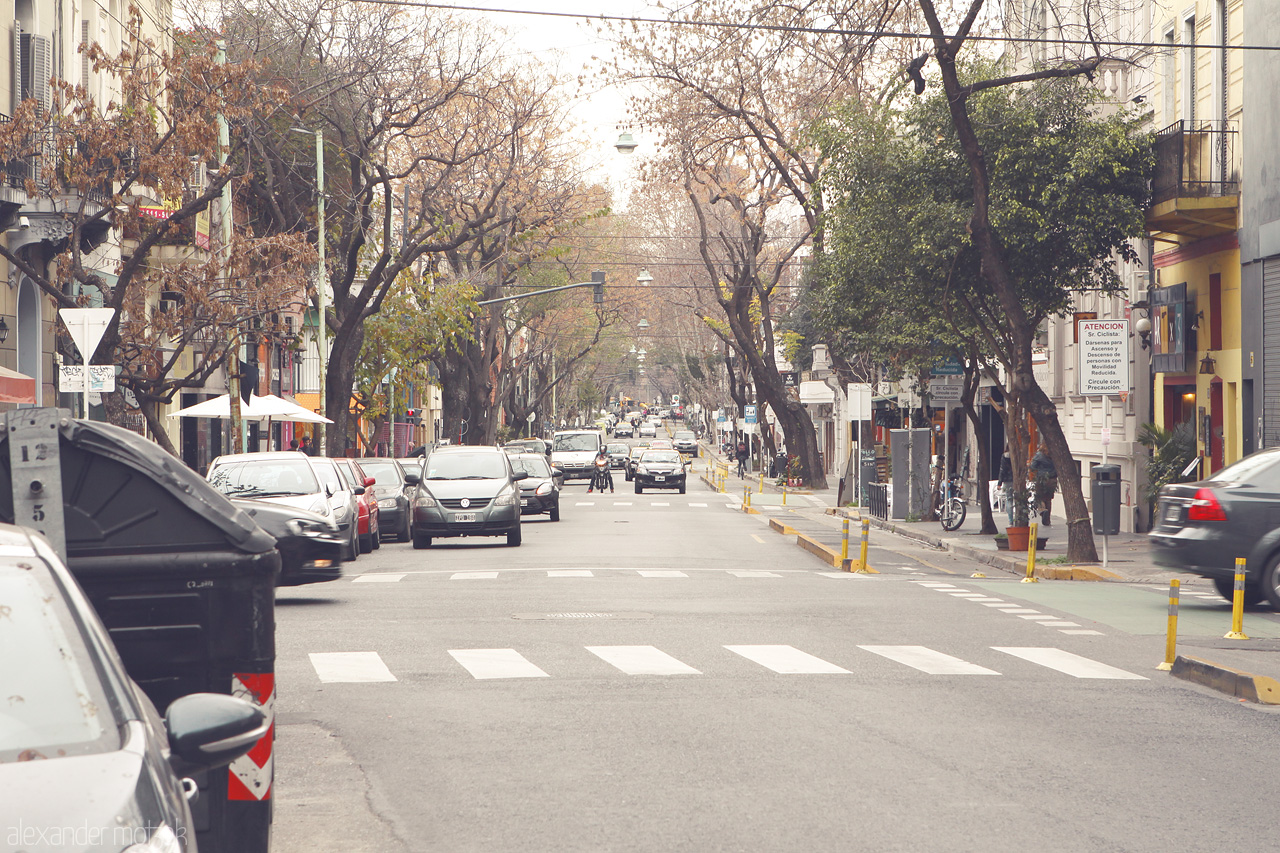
{"type": "Point", "coordinates": [1195, 305]}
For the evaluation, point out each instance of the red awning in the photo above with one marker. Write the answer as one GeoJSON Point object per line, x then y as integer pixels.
{"type": "Point", "coordinates": [17, 387]}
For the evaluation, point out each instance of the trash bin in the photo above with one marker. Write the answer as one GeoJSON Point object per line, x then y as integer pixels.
{"type": "Point", "coordinates": [1105, 494]}
{"type": "Point", "coordinates": [185, 583]}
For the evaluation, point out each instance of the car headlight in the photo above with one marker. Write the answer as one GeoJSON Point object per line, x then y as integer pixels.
{"type": "Point", "coordinates": [507, 497]}
{"type": "Point", "coordinates": [544, 490]}
{"type": "Point", "coordinates": [424, 500]}
{"type": "Point", "coordinates": [306, 527]}
{"type": "Point", "coordinates": [320, 507]}
{"type": "Point", "coordinates": [163, 840]}
{"type": "Point", "coordinates": [387, 503]}
{"type": "Point", "coordinates": [641, 469]}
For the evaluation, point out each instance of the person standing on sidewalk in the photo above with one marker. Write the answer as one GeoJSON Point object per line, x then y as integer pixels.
{"type": "Point", "coordinates": [1045, 476]}
{"type": "Point", "coordinates": [1006, 483]}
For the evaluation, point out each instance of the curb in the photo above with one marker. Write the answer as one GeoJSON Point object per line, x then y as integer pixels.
{"type": "Point", "coordinates": [1225, 679]}
{"type": "Point", "coordinates": [981, 555]}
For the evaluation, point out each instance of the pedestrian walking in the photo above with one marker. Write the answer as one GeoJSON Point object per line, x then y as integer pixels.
{"type": "Point", "coordinates": [1006, 483]}
{"type": "Point", "coordinates": [306, 446]}
{"type": "Point", "coordinates": [1045, 476]}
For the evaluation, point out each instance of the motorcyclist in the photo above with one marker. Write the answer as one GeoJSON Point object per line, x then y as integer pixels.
{"type": "Point", "coordinates": [603, 472]}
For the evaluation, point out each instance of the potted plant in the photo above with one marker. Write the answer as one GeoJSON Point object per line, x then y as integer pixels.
{"type": "Point", "coordinates": [1020, 531]}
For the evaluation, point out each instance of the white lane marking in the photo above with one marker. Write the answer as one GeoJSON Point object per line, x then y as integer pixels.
{"type": "Point", "coordinates": [739, 573]}
{"type": "Point", "coordinates": [570, 573]}
{"type": "Point", "coordinates": [1084, 632]}
{"type": "Point", "coordinates": [942, 587]}
{"type": "Point", "coordinates": [1071, 664]}
{"type": "Point", "coordinates": [1002, 605]}
{"type": "Point", "coordinates": [1038, 617]}
{"type": "Point", "coordinates": [1061, 624]}
{"type": "Point", "coordinates": [786, 660]}
{"type": "Point", "coordinates": [968, 595]}
{"type": "Point", "coordinates": [473, 576]}
{"type": "Point", "coordinates": [350, 667]}
{"type": "Point", "coordinates": [623, 503]}
{"type": "Point", "coordinates": [653, 573]}
{"type": "Point", "coordinates": [927, 660]}
{"type": "Point", "coordinates": [844, 575]}
{"type": "Point", "coordinates": [641, 660]}
{"type": "Point", "coordinates": [938, 584]}
{"type": "Point", "coordinates": [659, 503]}
{"type": "Point", "coordinates": [585, 503]}
{"type": "Point", "coordinates": [496, 663]}
{"type": "Point", "coordinates": [1017, 610]}
{"type": "Point", "coordinates": [757, 538]}
{"type": "Point", "coordinates": [985, 599]}
{"type": "Point", "coordinates": [378, 578]}
{"type": "Point", "coordinates": [701, 505]}
{"type": "Point", "coordinates": [815, 501]}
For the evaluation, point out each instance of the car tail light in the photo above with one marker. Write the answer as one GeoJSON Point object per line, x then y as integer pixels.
{"type": "Point", "coordinates": [1205, 507]}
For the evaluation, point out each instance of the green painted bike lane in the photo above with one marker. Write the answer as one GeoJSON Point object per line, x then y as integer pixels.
{"type": "Point", "coordinates": [1133, 608]}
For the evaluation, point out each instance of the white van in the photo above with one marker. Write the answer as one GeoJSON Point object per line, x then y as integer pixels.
{"type": "Point", "coordinates": [574, 450]}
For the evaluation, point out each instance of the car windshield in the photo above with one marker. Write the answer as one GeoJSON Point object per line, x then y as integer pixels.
{"type": "Point", "coordinates": [55, 704]}
{"type": "Point", "coordinates": [466, 466]}
{"type": "Point", "coordinates": [267, 477]}
{"type": "Point", "coordinates": [684, 435]}
{"type": "Point", "coordinates": [618, 448]}
{"type": "Point", "coordinates": [659, 456]}
{"type": "Point", "coordinates": [386, 472]}
{"type": "Point", "coordinates": [534, 466]}
{"type": "Point", "coordinates": [1246, 469]}
{"type": "Point", "coordinates": [326, 470]}
{"type": "Point", "coordinates": [577, 441]}
{"type": "Point", "coordinates": [637, 450]}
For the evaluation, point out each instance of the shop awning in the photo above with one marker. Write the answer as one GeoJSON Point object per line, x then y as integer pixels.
{"type": "Point", "coordinates": [812, 392]}
{"type": "Point", "coordinates": [17, 387]}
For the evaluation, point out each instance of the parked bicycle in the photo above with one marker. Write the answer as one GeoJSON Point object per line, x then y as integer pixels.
{"type": "Point", "coordinates": [950, 508]}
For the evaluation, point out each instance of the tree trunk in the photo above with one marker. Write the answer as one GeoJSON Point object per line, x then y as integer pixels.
{"type": "Point", "coordinates": [154, 424]}
{"type": "Point", "coordinates": [1080, 544]}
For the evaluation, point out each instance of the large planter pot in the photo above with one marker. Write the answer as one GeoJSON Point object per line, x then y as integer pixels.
{"type": "Point", "coordinates": [1018, 537]}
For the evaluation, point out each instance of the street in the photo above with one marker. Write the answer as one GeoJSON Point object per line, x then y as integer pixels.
{"type": "Point", "coordinates": [664, 672]}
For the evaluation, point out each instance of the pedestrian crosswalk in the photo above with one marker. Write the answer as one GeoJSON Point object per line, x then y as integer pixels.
{"type": "Point", "coordinates": [1028, 614]}
{"type": "Point", "coordinates": [364, 667]}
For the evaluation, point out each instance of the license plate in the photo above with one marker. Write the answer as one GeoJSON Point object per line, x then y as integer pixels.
{"type": "Point", "coordinates": [464, 517]}
{"type": "Point", "coordinates": [660, 478]}
{"type": "Point", "coordinates": [1173, 512]}
{"type": "Point", "coordinates": [524, 502]}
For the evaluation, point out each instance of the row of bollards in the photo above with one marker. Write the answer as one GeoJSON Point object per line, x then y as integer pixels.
{"type": "Point", "coordinates": [862, 550]}
{"type": "Point", "coordinates": [1237, 615]}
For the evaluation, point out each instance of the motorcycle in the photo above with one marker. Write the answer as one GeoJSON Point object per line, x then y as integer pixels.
{"type": "Point", "coordinates": [600, 478]}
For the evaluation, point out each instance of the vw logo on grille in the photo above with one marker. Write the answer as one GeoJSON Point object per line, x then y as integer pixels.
{"type": "Point", "coordinates": [466, 502]}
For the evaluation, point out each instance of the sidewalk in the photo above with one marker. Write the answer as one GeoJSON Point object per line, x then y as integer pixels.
{"type": "Point", "coordinates": [1246, 669]}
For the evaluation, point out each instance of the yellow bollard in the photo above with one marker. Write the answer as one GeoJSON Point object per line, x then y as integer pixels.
{"type": "Point", "coordinates": [784, 494]}
{"type": "Point", "coordinates": [1031, 556]}
{"type": "Point", "coordinates": [746, 498]}
{"type": "Point", "coordinates": [862, 549]}
{"type": "Point", "coordinates": [844, 540]}
{"type": "Point", "coordinates": [1237, 605]}
{"type": "Point", "coordinates": [1172, 640]}
{"type": "Point", "coordinates": [762, 482]}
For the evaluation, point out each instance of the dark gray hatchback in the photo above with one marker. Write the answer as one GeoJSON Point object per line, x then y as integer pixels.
{"type": "Point", "coordinates": [1203, 527]}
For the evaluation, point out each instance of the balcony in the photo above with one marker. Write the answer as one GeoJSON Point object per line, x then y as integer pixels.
{"type": "Point", "coordinates": [1195, 191]}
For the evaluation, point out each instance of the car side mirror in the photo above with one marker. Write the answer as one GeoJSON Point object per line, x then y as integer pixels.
{"type": "Point", "coordinates": [358, 490]}
{"type": "Point", "coordinates": [211, 729]}
{"type": "Point", "coordinates": [412, 478]}
{"type": "Point", "coordinates": [519, 475]}
{"type": "Point", "coordinates": [369, 481]}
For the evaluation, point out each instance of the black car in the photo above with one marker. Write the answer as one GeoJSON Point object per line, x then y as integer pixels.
{"type": "Point", "coordinates": [618, 453]}
{"type": "Point", "coordinates": [466, 491]}
{"type": "Point", "coordinates": [86, 762]}
{"type": "Point", "coordinates": [659, 469]}
{"type": "Point", "coordinates": [393, 495]}
{"type": "Point", "coordinates": [1203, 527]}
{"type": "Point", "coordinates": [540, 489]}
{"type": "Point", "coordinates": [311, 546]}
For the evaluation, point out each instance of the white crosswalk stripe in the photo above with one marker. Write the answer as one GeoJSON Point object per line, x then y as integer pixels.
{"type": "Point", "coordinates": [350, 667]}
{"type": "Point", "coordinates": [927, 660]}
{"type": "Point", "coordinates": [787, 660]}
{"type": "Point", "coordinates": [377, 578]}
{"type": "Point", "coordinates": [742, 573]}
{"type": "Point", "coordinates": [641, 660]}
{"type": "Point", "coordinates": [496, 663]}
{"type": "Point", "coordinates": [1071, 664]}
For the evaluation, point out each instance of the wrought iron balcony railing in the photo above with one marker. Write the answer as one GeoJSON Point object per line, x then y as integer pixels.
{"type": "Point", "coordinates": [1195, 163]}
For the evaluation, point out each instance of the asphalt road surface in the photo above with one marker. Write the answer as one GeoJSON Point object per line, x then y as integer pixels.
{"type": "Point", "coordinates": [661, 672]}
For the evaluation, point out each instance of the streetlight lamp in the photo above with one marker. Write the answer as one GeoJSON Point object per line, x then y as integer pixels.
{"type": "Point", "coordinates": [644, 278]}
{"type": "Point", "coordinates": [322, 285]}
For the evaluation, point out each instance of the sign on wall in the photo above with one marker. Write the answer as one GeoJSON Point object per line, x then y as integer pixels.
{"type": "Point", "coordinates": [1104, 357]}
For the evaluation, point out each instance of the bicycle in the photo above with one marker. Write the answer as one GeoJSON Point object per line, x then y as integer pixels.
{"type": "Point", "coordinates": [951, 508]}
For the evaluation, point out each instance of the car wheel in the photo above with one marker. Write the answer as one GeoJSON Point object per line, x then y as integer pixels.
{"type": "Point", "coordinates": [1253, 593]}
{"type": "Point", "coordinates": [513, 538]}
{"type": "Point", "coordinates": [682, 488]}
{"type": "Point", "coordinates": [1270, 585]}
{"type": "Point", "coordinates": [366, 543]}
{"type": "Point", "coordinates": [420, 541]}
{"type": "Point", "coordinates": [377, 538]}
{"type": "Point", "coordinates": [406, 534]}
{"type": "Point", "coordinates": [554, 513]}
{"type": "Point", "coordinates": [639, 489]}
{"type": "Point", "coordinates": [353, 546]}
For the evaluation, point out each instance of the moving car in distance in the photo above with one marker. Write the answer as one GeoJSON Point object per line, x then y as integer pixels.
{"type": "Point", "coordinates": [1203, 527]}
{"type": "Point", "coordinates": [528, 445]}
{"type": "Point", "coordinates": [311, 546]}
{"type": "Point", "coordinates": [540, 490]}
{"type": "Point", "coordinates": [83, 752]}
{"type": "Point", "coordinates": [466, 491]}
{"type": "Point", "coordinates": [648, 430]}
{"type": "Point", "coordinates": [617, 454]}
{"type": "Point", "coordinates": [660, 469]}
{"type": "Point", "coordinates": [574, 451]}
{"type": "Point", "coordinates": [629, 467]}
{"type": "Point", "coordinates": [624, 429]}
{"type": "Point", "coordinates": [685, 441]}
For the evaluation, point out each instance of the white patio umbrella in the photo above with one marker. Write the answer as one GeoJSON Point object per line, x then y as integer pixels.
{"type": "Point", "coordinates": [258, 409]}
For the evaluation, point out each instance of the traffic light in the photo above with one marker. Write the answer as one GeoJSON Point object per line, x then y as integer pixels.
{"type": "Point", "coordinates": [411, 416]}
{"type": "Point", "coordinates": [598, 287]}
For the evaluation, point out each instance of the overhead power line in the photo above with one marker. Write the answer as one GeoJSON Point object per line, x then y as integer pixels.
{"type": "Point", "coordinates": [789, 28]}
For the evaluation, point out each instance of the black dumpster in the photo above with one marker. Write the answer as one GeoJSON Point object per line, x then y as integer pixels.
{"type": "Point", "coordinates": [185, 582]}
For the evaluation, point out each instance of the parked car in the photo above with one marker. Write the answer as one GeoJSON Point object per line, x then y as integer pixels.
{"type": "Point", "coordinates": [685, 441]}
{"type": "Point", "coordinates": [311, 546]}
{"type": "Point", "coordinates": [540, 489]}
{"type": "Point", "coordinates": [393, 494]}
{"type": "Point", "coordinates": [82, 750]}
{"type": "Point", "coordinates": [659, 469]}
{"type": "Point", "coordinates": [617, 454]}
{"type": "Point", "coordinates": [294, 479]}
{"type": "Point", "coordinates": [1203, 527]}
{"type": "Point", "coordinates": [574, 451]}
{"type": "Point", "coordinates": [369, 520]}
{"type": "Point", "coordinates": [629, 467]}
{"type": "Point", "coordinates": [466, 491]}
